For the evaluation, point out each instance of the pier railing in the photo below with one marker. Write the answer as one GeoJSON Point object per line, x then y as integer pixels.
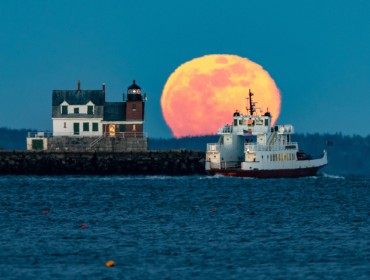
{"type": "Point", "coordinates": [126, 134]}
{"type": "Point", "coordinates": [39, 134]}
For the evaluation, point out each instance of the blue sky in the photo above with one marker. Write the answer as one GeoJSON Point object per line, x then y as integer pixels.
{"type": "Point", "coordinates": [318, 53]}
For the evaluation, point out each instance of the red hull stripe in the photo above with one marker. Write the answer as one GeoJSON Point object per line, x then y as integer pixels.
{"type": "Point", "coordinates": [282, 173]}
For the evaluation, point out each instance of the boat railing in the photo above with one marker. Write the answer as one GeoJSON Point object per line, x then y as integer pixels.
{"type": "Point", "coordinates": [258, 148]}
{"type": "Point", "coordinates": [226, 129]}
{"type": "Point", "coordinates": [213, 147]}
{"type": "Point", "coordinates": [247, 130]}
{"type": "Point", "coordinates": [225, 165]}
{"type": "Point", "coordinates": [285, 129]}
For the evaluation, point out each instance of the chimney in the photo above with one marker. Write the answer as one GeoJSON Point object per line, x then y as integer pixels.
{"type": "Point", "coordinates": [78, 86]}
{"type": "Point", "coordinates": [104, 87]}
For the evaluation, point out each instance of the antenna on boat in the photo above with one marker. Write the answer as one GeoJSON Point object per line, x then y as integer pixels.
{"type": "Point", "coordinates": [251, 103]}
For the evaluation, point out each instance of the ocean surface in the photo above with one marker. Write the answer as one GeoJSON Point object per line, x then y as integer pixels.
{"type": "Point", "coordinates": [193, 227]}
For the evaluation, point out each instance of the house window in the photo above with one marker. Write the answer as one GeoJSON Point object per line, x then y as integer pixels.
{"type": "Point", "coordinates": [86, 126]}
{"type": "Point", "coordinates": [90, 110]}
{"type": "Point", "coordinates": [112, 130]}
{"type": "Point", "coordinates": [76, 110]}
{"type": "Point", "coordinates": [95, 126]}
{"type": "Point", "coordinates": [76, 128]}
{"type": "Point", "coordinates": [134, 107]}
{"type": "Point", "coordinates": [65, 125]}
{"type": "Point", "coordinates": [64, 110]}
{"type": "Point", "coordinates": [121, 128]}
{"type": "Point", "coordinates": [134, 127]}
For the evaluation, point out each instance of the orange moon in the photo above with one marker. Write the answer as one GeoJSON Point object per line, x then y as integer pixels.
{"type": "Point", "coordinates": [202, 94]}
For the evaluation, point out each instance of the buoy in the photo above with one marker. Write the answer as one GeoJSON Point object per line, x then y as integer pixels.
{"type": "Point", "coordinates": [45, 212]}
{"type": "Point", "coordinates": [84, 226]}
{"type": "Point", "coordinates": [213, 210]}
{"type": "Point", "coordinates": [110, 263]}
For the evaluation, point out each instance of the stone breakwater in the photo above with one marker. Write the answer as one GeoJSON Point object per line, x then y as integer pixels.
{"type": "Point", "coordinates": [174, 162]}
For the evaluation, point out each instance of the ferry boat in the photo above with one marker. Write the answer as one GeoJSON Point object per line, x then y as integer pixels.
{"type": "Point", "coordinates": [252, 147]}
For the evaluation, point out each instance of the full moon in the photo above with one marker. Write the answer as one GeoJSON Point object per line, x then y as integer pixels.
{"type": "Point", "coordinates": [202, 94]}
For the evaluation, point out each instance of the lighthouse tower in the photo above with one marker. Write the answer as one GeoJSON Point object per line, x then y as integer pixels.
{"type": "Point", "coordinates": [135, 109]}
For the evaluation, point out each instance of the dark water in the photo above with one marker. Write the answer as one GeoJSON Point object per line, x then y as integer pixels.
{"type": "Point", "coordinates": [184, 228]}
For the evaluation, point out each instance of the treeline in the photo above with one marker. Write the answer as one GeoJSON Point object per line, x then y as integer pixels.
{"type": "Point", "coordinates": [13, 139]}
{"type": "Point", "coordinates": [347, 154]}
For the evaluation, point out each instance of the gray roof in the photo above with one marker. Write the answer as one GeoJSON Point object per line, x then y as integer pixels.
{"type": "Point", "coordinates": [74, 97]}
{"type": "Point", "coordinates": [114, 111]}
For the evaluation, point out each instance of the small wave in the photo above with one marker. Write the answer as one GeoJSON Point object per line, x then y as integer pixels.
{"type": "Point", "coordinates": [211, 177]}
{"type": "Point", "coordinates": [325, 175]}
{"type": "Point", "coordinates": [220, 176]}
{"type": "Point", "coordinates": [143, 177]}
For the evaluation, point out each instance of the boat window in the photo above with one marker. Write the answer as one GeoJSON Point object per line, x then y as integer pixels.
{"type": "Point", "coordinates": [266, 122]}
{"type": "Point", "coordinates": [259, 122]}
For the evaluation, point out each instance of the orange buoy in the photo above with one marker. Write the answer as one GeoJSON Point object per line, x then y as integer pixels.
{"type": "Point", "coordinates": [213, 210]}
{"type": "Point", "coordinates": [110, 263]}
{"type": "Point", "coordinates": [45, 212]}
{"type": "Point", "coordinates": [84, 226]}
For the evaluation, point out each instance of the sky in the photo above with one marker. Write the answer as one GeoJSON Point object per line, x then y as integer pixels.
{"type": "Point", "coordinates": [318, 53]}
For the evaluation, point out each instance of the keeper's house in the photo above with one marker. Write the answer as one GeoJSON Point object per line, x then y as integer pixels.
{"type": "Point", "coordinates": [84, 121]}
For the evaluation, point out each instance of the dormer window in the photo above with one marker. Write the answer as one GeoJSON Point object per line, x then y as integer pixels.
{"type": "Point", "coordinates": [64, 110]}
{"type": "Point", "coordinates": [76, 110]}
{"type": "Point", "coordinates": [90, 110]}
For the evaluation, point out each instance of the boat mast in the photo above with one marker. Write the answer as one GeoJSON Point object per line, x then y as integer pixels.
{"type": "Point", "coordinates": [251, 103]}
